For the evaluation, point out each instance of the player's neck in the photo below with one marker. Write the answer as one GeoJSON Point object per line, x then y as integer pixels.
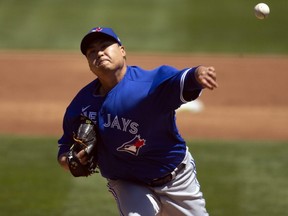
{"type": "Point", "coordinates": [110, 81]}
{"type": "Point", "coordinates": [103, 91]}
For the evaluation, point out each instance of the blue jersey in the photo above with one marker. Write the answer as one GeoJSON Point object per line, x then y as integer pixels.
{"type": "Point", "coordinates": [138, 136]}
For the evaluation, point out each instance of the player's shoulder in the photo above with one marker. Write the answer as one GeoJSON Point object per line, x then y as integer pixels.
{"type": "Point", "coordinates": [156, 69]}
{"type": "Point", "coordinates": [85, 93]}
{"type": "Point", "coordinates": [140, 74]}
{"type": "Point", "coordinates": [167, 69]}
{"type": "Point", "coordinates": [89, 88]}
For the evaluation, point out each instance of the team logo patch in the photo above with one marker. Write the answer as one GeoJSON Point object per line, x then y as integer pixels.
{"type": "Point", "coordinates": [133, 146]}
{"type": "Point", "coordinates": [98, 29]}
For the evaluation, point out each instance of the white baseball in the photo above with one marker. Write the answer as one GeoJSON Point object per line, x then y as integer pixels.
{"type": "Point", "coordinates": [261, 10]}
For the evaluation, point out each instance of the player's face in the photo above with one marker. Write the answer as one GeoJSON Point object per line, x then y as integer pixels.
{"type": "Point", "coordinates": [105, 55]}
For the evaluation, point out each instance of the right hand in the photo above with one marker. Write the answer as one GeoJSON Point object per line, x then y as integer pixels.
{"type": "Point", "coordinates": [206, 76]}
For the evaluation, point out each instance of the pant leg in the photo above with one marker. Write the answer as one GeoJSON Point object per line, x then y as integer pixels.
{"type": "Point", "coordinates": [134, 199]}
{"type": "Point", "coordinates": [182, 196]}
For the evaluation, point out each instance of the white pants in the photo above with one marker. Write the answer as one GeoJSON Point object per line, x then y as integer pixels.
{"type": "Point", "coordinates": [181, 196]}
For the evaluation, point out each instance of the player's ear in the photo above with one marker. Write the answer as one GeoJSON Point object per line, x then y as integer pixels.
{"type": "Point", "coordinates": [122, 49]}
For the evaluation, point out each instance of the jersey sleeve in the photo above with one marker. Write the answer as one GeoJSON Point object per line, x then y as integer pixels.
{"type": "Point", "coordinates": [172, 87]}
{"type": "Point", "coordinates": [66, 141]}
{"type": "Point", "coordinates": [191, 88]}
{"type": "Point", "coordinates": [71, 116]}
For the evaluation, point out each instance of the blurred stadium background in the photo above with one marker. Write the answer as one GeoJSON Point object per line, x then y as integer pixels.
{"type": "Point", "coordinates": [227, 26]}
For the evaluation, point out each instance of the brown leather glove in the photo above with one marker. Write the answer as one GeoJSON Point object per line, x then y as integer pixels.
{"type": "Point", "coordinates": [85, 139]}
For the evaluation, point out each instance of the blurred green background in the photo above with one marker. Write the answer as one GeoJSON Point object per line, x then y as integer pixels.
{"type": "Point", "coordinates": [227, 26]}
{"type": "Point", "coordinates": [238, 178]}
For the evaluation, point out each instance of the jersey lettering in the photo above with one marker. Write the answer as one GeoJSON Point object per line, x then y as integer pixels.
{"type": "Point", "coordinates": [124, 125]}
{"type": "Point", "coordinates": [108, 123]}
{"type": "Point", "coordinates": [115, 123]}
{"type": "Point", "coordinates": [90, 115]}
{"type": "Point", "coordinates": [134, 129]}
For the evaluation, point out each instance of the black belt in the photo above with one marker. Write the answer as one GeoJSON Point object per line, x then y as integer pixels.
{"type": "Point", "coordinates": [167, 178]}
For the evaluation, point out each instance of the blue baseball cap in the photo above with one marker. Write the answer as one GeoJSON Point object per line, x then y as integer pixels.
{"type": "Point", "coordinates": [95, 33]}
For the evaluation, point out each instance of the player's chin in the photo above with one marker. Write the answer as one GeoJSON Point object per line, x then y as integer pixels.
{"type": "Point", "coordinates": [103, 64]}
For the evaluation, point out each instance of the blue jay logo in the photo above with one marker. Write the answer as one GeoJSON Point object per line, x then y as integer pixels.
{"type": "Point", "coordinates": [133, 146]}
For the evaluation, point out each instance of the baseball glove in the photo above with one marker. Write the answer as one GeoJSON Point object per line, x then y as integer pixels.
{"type": "Point", "coordinates": [85, 139]}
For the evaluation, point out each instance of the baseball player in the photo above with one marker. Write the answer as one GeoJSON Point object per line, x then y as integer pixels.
{"type": "Point", "coordinates": [140, 152]}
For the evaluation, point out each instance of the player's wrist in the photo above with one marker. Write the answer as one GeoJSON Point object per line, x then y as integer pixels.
{"type": "Point", "coordinates": [191, 81]}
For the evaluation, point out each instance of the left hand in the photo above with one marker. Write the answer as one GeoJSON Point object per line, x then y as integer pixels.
{"type": "Point", "coordinates": [206, 76]}
{"type": "Point", "coordinates": [82, 157]}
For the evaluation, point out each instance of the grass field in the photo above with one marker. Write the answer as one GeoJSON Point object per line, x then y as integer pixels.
{"type": "Point", "coordinates": [237, 179]}
{"type": "Point", "coordinates": [150, 25]}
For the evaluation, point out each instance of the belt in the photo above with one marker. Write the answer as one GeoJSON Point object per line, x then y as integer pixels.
{"type": "Point", "coordinates": [167, 178]}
